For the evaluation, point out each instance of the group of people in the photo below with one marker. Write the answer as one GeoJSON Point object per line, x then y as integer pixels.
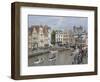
{"type": "Point", "coordinates": [79, 53]}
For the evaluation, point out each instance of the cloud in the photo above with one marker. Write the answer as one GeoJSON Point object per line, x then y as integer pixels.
{"type": "Point", "coordinates": [58, 22]}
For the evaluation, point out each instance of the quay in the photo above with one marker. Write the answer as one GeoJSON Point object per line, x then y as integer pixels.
{"type": "Point", "coordinates": [41, 52]}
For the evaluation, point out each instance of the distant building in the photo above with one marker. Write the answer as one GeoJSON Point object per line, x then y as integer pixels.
{"type": "Point", "coordinates": [71, 39]}
{"type": "Point", "coordinates": [80, 36]}
{"type": "Point", "coordinates": [85, 40]}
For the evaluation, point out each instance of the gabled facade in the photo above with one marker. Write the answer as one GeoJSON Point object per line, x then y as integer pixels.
{"type": "Point", "coordinates": [39, 36]}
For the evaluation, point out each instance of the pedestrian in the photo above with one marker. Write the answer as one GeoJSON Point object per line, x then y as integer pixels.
{"type": "Point", "coordinates": [76, 53]}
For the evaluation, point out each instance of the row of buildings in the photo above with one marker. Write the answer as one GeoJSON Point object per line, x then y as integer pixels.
{"type": "Point", "coordinates": [64, 37]}
{"type": "Point", "coordinates": [40, 36]}
{"type": "Point", "coordinates": [77, 36]}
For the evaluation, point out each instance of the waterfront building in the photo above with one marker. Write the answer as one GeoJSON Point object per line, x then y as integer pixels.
{"type": "Point", "coordinates": [59, 36]}
{"type": "Point", "coordinates": [38, 36]}
{"type": "Point", "coordinates": [64, 37]}
{"type": "Point", "coordinates": [29, 39]}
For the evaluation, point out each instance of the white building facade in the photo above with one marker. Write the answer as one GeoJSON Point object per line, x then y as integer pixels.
{"type": "Point", "coordinates": [59, 36]}
{"type": "Point", "coordinates": [63, 37]}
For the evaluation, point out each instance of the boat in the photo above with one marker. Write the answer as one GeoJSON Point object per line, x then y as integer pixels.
{"type": "Point", "coordinates": [38, 61]}
{"type": "Point", "coordinates": [52, 55]}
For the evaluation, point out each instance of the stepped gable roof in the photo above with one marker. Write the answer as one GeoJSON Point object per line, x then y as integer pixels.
{"type": "Point", "coordinates": [37, 28]}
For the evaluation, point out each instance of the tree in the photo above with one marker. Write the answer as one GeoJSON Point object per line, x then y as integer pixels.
{"type": "Point", "coordinates": [53, 33]}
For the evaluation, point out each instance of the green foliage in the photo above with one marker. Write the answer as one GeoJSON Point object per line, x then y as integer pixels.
{"type": "Point", "coordinates": [53, 40]}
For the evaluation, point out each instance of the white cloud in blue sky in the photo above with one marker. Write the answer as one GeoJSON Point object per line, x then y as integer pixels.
{"type": "Point", "coordinates": [58, 22]}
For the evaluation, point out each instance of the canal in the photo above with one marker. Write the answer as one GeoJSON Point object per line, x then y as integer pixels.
{"type": "Point", "coordinates": [59, 58]}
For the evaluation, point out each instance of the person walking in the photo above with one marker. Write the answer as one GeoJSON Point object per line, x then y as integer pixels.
{"type": "Point", "coordinates": [76, 54]}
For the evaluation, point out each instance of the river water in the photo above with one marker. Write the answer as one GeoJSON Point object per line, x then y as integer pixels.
{"type": "Point", "coordinates": [61, 58]}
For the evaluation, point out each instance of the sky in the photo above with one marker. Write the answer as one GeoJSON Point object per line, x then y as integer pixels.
{"type": "Point", "coordinates": [58, 22]}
